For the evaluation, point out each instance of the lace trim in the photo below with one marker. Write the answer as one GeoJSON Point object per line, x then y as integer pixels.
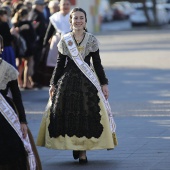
{"type": "Point", "coordinates": [7, 74]}
{"type": "Point", "coordinates": [89, 44]}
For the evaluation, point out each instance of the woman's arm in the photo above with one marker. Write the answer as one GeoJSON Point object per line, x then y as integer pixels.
{"type": "Point", "coordinates": [99, 68]}
{"type": "Point", "coordinates": [17, 99]}
{"type": "Point", "coordinates": [59, 68]}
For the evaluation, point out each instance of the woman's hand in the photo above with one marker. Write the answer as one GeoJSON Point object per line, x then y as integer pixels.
{"type": "Point", "coordinates": [24, 130]}
{"type": "Point", "coordinates": [105, 91]}
{"type": "Point", "coordinates": [51, 91]}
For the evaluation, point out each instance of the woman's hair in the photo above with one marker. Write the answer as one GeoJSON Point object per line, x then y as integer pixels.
{"type": "Point", "coordinates": [21, 13]}
{"type": "Point", "coordinates": [2, 44]}
{"type": "Point", "coordinates": [80, 10]}
{"type": "Point", "coordinates": [3, 12]}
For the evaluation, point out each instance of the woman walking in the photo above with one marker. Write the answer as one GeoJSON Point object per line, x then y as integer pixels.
{"type": "Point", "coordinates": [78, 118]}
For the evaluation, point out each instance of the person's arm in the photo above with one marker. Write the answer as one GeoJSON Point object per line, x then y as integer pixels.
{"type": "Point", "coordinates": [58, 70]}
{"type": "Point", "coordinates": [100, 73]}
{"type": "Point", "coordinates": [17, 99]}
{"type": "Point", "coordinates": [49, 33]}
{"type": "Point", "coordinates": [99, 68]}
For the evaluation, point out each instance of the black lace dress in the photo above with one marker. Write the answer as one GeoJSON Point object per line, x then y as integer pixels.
{"type": "Point", "coordinates": [12, 152]}
{"type": "Point", "coordinates": [75, 103]}
{"type": "Point", "coordinates": [75, 117]}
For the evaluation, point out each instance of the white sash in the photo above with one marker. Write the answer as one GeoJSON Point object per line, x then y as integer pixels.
{"type": "Point", "coordinates": [84, 67]}
{"type": "Point", "coordinates": [13, 120]}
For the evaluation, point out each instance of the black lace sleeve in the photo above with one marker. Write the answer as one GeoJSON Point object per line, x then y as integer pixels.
{"type": "Point", "coordinates": [17, 99]}
{"type": "Point", "coordinates": [58, 70]}
{"type": "Point", "coordinates": [99, 68]}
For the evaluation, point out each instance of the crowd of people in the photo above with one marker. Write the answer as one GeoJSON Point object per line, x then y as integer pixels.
{"type": "Point", "coordinates": [23, 26]}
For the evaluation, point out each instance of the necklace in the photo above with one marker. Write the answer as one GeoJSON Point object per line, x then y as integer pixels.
{"type": "Point", "coordinates": [79, 38]}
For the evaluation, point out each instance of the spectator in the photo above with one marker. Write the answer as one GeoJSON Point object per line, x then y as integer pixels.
{"type": "Point", "coordinates": [37, 18]}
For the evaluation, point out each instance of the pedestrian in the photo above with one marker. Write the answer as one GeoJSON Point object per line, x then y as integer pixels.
{"type": "Point", "coordinates": [79, 117]}
{"type": "Point", "coordinates": [8, 51]}
{"type": "Point", "coordinates": [27, 32]}
{"type": "Point", "coordinates": [37, 18]}
{"type": "Point", "coordinates": [17, 149]}
{"type": "Point", "coordinates": [58, 26]}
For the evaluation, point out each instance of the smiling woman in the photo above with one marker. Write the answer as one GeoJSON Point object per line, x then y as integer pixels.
{"type": "Point", "coordinates": [78, 112]}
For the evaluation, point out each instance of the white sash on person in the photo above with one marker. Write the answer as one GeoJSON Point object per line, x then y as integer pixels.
{"type": "Point", "coordinates": [13, 120]}
{"type": "Point", "coordinates": [85, 68]}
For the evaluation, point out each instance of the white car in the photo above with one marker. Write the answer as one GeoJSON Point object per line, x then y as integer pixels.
{"type": "Point", "coordinates": [139, 18]}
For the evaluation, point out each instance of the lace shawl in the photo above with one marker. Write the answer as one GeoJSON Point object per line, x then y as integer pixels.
{"type": "Point", "coordinates": [7, 74]}
{"type": "Point", "coordinates": [89, 44]}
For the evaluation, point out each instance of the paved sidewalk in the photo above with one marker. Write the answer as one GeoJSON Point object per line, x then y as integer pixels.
{"type": "Point", "coordinates": [137, 65]}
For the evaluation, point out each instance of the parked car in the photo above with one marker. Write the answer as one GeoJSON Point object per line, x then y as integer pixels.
{"type": "Point", "coordinates": [122, 10]}
{"type": "Point", "coordinates": [139, 18]}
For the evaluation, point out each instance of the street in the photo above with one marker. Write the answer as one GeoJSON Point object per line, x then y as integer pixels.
{"type": "Point", "coordinates": [137, 64]}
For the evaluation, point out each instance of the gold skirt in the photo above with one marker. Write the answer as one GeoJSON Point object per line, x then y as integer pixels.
{"type": "Point", "coordinates": [107, 140]}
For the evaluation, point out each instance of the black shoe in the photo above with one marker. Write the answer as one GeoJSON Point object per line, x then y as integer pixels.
{"type": "Point", "coordinates": [76, 154]}
{"type": "Point", "coordinates": [83, 161]}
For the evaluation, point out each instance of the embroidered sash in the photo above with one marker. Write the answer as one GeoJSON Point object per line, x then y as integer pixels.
{"type": "Point", "coordinates": [84, 67]}
{"type": "Point", "coordinates": [13, 120]}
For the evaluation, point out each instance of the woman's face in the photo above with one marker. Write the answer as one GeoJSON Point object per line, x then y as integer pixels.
{"type": "Point", "coordinates": [78, 21]}
{"type": "Point", "coordinates": [4, 18]}
{"type": "Point", "coordinates": [65, 7]}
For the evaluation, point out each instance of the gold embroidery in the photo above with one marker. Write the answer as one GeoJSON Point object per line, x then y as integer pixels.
{"type": "Point", "coordinates": [80, 48]}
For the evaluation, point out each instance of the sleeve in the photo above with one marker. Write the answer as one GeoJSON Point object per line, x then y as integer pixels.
{"type": "Point", "coordinates": [99, 68]}
{"type": "Point", "coordinates": [94, 43]}
{"type": "Point", "coordinates": [49, 33]}
{"type": "Point", "coordinates": [59, 69]}
{"type": "Point", "coordinates": [17, 99]}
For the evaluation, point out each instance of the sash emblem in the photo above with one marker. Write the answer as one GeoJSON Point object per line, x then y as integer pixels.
{"type": "Point", "coordinates": [70, 43]}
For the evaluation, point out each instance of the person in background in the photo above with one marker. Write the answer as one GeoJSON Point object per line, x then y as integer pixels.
{"type": "Point", "coordinates": [78, 115]}
{"type": "Point", "coordinates": [8, 51]}
{"type": "Point", "coordinates": [36, 16]}
{"type": "Point", "coordinates": [53, 6]}
{"type": "Point", "coordinates": [26, 30]}
{"type": "Point", "coordinates": [58, 26]}
{"type": "Point", "coordinates": [46, 12]}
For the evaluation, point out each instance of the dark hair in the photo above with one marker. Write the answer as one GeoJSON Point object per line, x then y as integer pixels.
{"type": "Point", "coordinates": [2, 44]}
{"type": "Point", "coordinates": [22, 12]}
{"type": "Point", "coordinates": [80, 10]}
{"type": "Point", "coordinates": [3, 12]}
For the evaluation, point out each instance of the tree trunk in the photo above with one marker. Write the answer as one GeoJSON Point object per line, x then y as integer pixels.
{"type": "Point", "coordinates": [146, 12]}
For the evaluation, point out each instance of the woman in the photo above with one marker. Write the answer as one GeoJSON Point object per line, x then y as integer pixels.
{"type": "Point", "coordinates": [58, 26]}
{"type": "Point", "coordinates": [27, 32]}
{"type": "Point", "coordinates": [78, 116]}
{"type": "Point", "coordinates": [16, 151]}
{"type": "Point", "coordinates": [8, 52]}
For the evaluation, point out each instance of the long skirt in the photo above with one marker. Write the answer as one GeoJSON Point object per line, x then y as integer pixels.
{"type": "Point", "coordinates": [8, 55]}
{"type": "Point", "coordinates": [76, 118]}
{"type": "Point", "coordinates": [13, 155]}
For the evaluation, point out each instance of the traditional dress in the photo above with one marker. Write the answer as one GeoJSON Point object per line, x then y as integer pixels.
{"type": "Point", "coordinates": [13, 152]}
{"type": "Point", "coordinates": [76, 119]}
{"type": "Point", "coordinates": [62, 26]}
